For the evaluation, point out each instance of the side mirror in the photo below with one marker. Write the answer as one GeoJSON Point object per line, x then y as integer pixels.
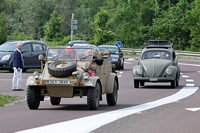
{"type": "Point", "coordinates": [41, 57]}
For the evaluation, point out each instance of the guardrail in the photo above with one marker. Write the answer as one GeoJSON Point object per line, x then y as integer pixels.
{"type": "Point", "coordinates": [182, 54]}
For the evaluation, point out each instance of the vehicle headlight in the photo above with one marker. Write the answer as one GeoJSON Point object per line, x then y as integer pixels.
{"type": "Point", "coordinates": [168, 71]}
{"type": "Point", "coordinates": [139, 70]}
{"type": "Point", "coordinates": [36, 75]}
{"type": "Point", "coordinates": [85, 75]}
{"type": "Point", "coordinates": [6, 57]}
{"type": "Point", "coordinates": [114, 59]}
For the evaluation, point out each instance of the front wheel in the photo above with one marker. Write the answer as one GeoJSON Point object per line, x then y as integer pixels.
{"type": "Point", "coordinates": [136, 83]}
{"type": "Point", "coordinates": [173, 84]}
{"type": "Point", "coordinates": [33, 98]}
{"type": "Point", "coordinates": [93, 97]}
{"type": "Point", "coordinates": [55, 100]}
{"type": "Point", "coordinates": [112, 98]}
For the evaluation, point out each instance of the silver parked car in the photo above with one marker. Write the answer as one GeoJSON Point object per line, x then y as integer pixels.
{"type": "Point", "coordinates": [158, 63]}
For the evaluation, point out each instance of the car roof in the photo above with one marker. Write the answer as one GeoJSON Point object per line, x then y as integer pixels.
{"type": "Point", "coordinates": [25, 41]}
{"type": "Point", "coordinates": [158, 44]}
{"type": "Point", "coordinates": [107, 46]}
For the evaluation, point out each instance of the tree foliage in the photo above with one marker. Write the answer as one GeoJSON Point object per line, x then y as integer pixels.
{"type": "Point", "coordinates": [104, 22]}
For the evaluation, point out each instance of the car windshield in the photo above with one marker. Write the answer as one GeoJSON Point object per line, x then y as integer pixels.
{"type": "Point", "coordinates": [70, 53]}
{"type": "Point", "coordinates": [8, 46]}
{"type": "Point", "coordinates": [113, 50]}
{"type": "Point", "coordinates": [158, 54]}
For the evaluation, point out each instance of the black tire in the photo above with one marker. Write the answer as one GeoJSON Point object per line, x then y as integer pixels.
{"type": "Point", "coordinates": [11, 68]}
{"type": "Point", "coordinates": [62, 68]}
{"type": "Point", "coordinates": [173, 84]}
{"type": "Point", "coordinates": [118, 66]}
{"type": "Point", "coordinates": [112, 98]}
{"type": "Point", "coordinates": [142, 83]}
{"type": "Point", "coordinates": [55, 100]}
{"type": "Point", "coordinates": [122, 67]}
{"type": "Point", "coordinates": [33, 98]}
{"type": "Point", "coordinates": [177, 82]}
{"type": "Point", "coordinates": [93, 97]}
{"type": "Point", "coordinates": [136, 83]}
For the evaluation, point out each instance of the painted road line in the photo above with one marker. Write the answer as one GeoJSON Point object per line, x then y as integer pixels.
{"type": "Point", "coordinates": [184, 76]}
{"type": "Point", "coordinates": [188, 64]}
{"type": "Point", "coordinates": [95, 121]}
{"type": "Point", "coordinates": [193, 109]}
{"type": "Point", "coordinates": [119, 76]}
{"type": "Point", "coordinates": [128, 63]}
{"type": "Point", "coordinates": [189, 80]}
{"type": "Point", "coordinates": [189, 85]}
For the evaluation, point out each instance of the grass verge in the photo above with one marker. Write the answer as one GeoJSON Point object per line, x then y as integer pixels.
{"type": "Point", "coordinates": [4, 99]}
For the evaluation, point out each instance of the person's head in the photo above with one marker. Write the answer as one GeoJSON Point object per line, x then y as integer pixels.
{"type": "Point", "coordinates": [149, 54]}
{"type": "Point", "coordinates": [61, 53]}
{"type": "Point", "coordinates": [88, 53]}
{"type": "Point", "coordinates": [70, 52]}
{"type": "Point", "coordinates": [19, 46]}
{"type": "Point", "coordinates": [163, 55]}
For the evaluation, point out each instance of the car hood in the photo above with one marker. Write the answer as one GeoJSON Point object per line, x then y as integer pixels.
{"type": "Point", "coordinates": [4, 53]}
{"type": "Point", "coordinates": [114, 55]}
{"type": "Point", "coordinates": [155, 67]}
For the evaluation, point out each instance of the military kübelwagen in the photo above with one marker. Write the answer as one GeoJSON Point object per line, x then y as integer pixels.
{"type": "Point", "coordinates": [66, 75]}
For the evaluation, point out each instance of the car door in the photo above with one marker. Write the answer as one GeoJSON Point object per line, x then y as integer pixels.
{"type": "Point", "coordinates": [121, 56]}
{"type": "Point", "coordinates": [38, 49]}
{"type": "Point", "coordinates": [27, 54]}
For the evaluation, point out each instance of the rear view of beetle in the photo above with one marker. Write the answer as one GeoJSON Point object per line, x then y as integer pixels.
{"type": "Point", "coordinates": [72, 75]}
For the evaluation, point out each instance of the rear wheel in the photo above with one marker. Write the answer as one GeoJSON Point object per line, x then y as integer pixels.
{"type": "Point", "coordinates": [33, 98]}
{"type": "Point", "coordinates": [136, 83]}
{"type": "Point", "coordinates": [112, 98]}
{"type": "Point", "coordinates": [93, 97]}
{"type": "Point", "coordinates": [55, 100]}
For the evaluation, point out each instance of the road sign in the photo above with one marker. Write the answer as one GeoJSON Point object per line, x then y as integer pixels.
{"type": "Point", "coordinates": [73, 27]}
{"type": "Point", "coordinates": [119, 44]}
{"type": "Point", "coordinates": [74, 21]}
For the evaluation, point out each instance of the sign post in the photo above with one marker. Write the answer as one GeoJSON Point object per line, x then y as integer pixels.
{"type": "Point", "coordinates": [74, 23]}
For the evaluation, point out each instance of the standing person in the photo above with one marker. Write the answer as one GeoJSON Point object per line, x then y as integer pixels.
{"type": "Point", "coordinates": [18, 64]}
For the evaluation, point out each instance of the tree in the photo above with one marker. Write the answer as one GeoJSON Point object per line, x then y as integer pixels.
{"type": "Point", "coordinates": [53, 30]}
{"type": "Point", "coordinates": [3, 28]}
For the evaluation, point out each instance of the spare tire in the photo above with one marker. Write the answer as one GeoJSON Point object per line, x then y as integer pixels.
{"type": "Point", "coordinates": [62, 68]}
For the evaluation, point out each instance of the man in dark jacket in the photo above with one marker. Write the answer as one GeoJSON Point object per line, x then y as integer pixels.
{"type": "Point", "coordinates": [18, 64]}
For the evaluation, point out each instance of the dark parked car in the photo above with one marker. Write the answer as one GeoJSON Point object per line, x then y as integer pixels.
{"type": "Point", "coordinates": [30, 49]}
{"type": "Point", "coordinates": [117, 56]}
{"type": "Point", "coordinates": [77, 42]}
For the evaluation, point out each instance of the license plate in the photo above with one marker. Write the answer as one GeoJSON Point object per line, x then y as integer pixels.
{"type": "Point", "coordinates": [153, 79]}
{"type": "Point", "coordinates": [59, 82]}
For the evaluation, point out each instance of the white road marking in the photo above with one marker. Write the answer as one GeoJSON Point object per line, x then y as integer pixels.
{"type": "Point", "coordinates": [128, 62]}
{"type": "Point", "coordinates": [189, 85]}
{"type": "Point", "coordinates": [184, 76]}
{"type": "Point", "coordinates": [119, 76]}
{"type": "Point", "coordinates": [90, 123]}
{"type": "Point", "coordinates": [181, 73]}
{"type": "Point", "coordinates": [188, 64]}
{"type": "Point", "coordinates": [193, 109]}
{"type": "Point", "coordinates": [189, 80]}
{"type": "Point", "coordinates": [130, 59]}
{"type": "Point", "coordinates": [199, 71]}
{"type": "Point", "coordinates": [120, 72]}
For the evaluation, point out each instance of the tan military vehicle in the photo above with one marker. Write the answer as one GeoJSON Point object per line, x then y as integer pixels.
{"type": "Point", "coordinates": [70, 72]}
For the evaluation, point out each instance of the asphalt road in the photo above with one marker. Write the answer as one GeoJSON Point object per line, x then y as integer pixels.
{"type": "Point", "coordinates": [174, 117]}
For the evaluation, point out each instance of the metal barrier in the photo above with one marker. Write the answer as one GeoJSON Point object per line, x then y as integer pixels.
{"type": "Point", "coordinates": [181, 54]}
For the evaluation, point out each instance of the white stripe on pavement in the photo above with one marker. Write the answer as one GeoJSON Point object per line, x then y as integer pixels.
{"type": "Point", "coordinates": [90, 123]}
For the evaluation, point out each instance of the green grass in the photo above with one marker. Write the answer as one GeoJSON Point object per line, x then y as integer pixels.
{"type": "Point", "coordinates": [4, 99]}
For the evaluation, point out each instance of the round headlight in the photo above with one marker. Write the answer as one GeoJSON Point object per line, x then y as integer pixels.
{"type": "Point", "coordinates": [85, 75]}
{"type": "Point", "coordinates": [168, 71]}
{"type": "Point", "coordinates": [36, 75]}
{"type": "Point", "coordinates": [139, 70]}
